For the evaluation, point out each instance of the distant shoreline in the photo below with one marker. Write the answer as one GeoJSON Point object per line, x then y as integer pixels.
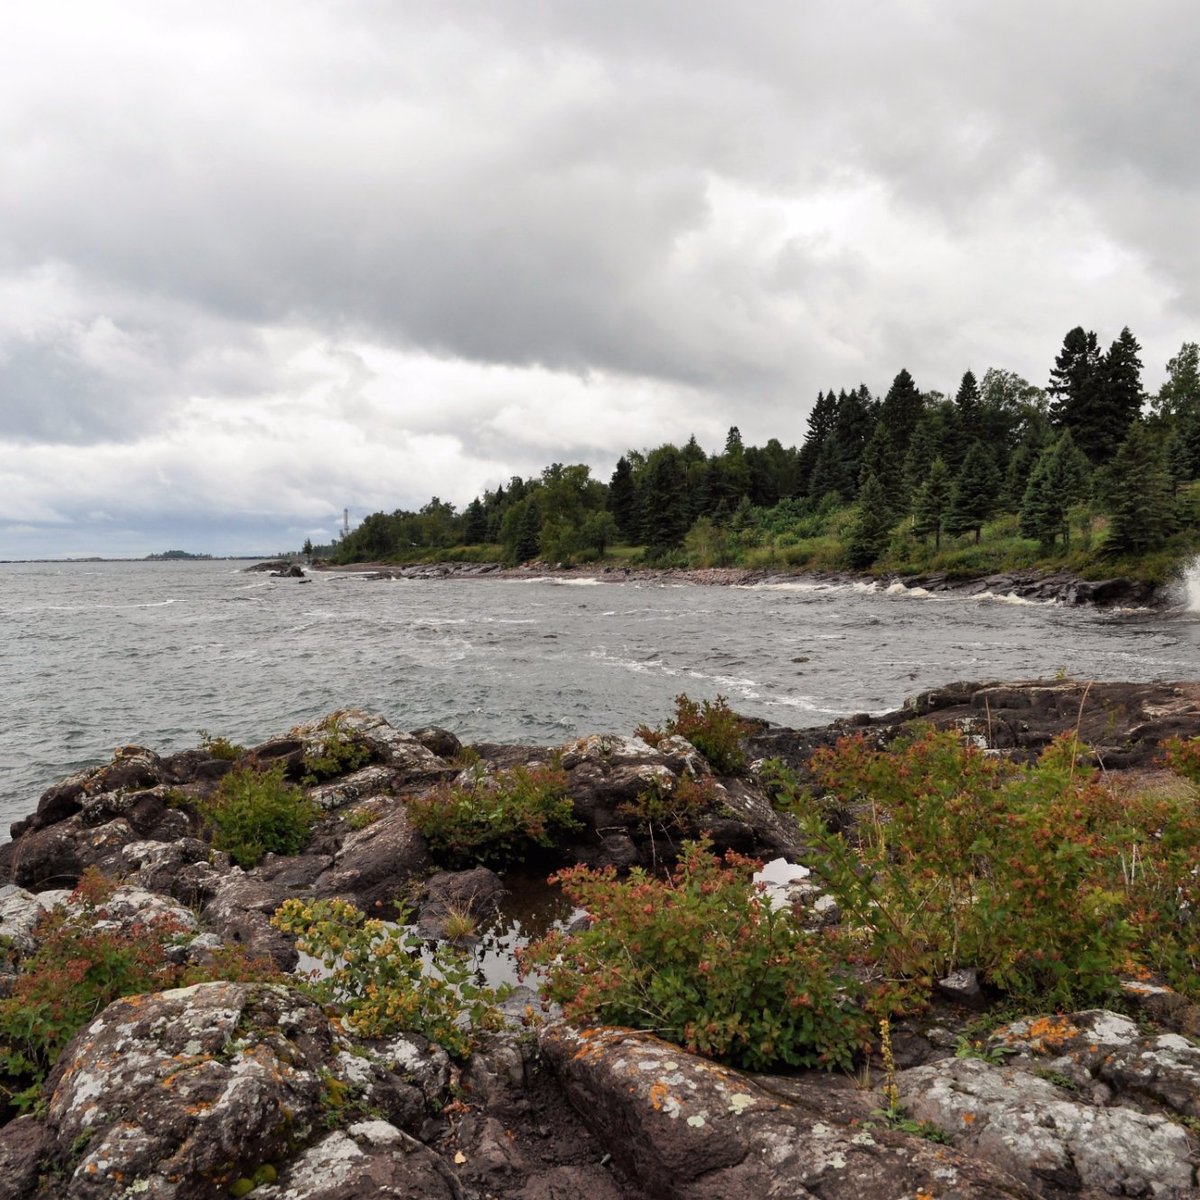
{"type": "Point", "coordinates": [1062, 587]}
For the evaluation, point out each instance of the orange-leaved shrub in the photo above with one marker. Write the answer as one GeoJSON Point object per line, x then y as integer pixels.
{"type": "Point", "coordinates": [702, 958]}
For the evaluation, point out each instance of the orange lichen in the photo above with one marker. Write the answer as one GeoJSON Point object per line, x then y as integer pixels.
{"type": "Point", "coordinates": [659, 1094]}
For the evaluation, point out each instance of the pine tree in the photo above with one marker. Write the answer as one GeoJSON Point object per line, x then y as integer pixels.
{"type": "Point", "coordinates": [663, 501]}
{"type": "Point", "coordinates": [529, 534]}
{"type": "Point", "coordinates": [901, 410]}
{"type": "Point", "coordinates": [820, 425]}
{"type": "Point", "coordinates": [1059, 480]}
{"type": "Point", "coordinates": [1122, 389]}
{"type": "Point", "coordinates": [839, 463]}
{"type": "Point", "coordinates": [1141, 498]}
{"type": "Point", "coordinates": [474, 523]}
{"type": "Point", "coordinates": [1097, 396]}
{"type": "Point", "coordinates": [881, 461]}
{"type": "Point", "coordinates": [976, 493]}
{"type": "Point", "coordinates": [931, 503]}
{"type": "Point", "coordinates": [622, 499]}
{"type": "Point", "coordinates": [872, 528]}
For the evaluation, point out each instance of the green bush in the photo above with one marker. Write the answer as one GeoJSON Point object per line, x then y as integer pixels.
{"type": "Point", "coordinates": [703, 959]}
{"type": "Point", "coordinates": [253, 813]}
{"type": "Point", "coordinates": [495, 818]}
{"type": "Point", "coordinates": [711, 726]}
{"type": "Point", "coordinates": [377, 977]}
{"type": "Point", "coordinates": [964, 860]}
{"type": "Point", "coordinates": [221, 747]}
{"type": "Point", "coordinates": [341, 752]}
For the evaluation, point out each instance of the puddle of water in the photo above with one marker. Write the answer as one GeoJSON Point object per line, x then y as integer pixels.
{"type": "Point", "coordinates": [529, 910]}
{"type": "Point", "coordinates": [777, 878]}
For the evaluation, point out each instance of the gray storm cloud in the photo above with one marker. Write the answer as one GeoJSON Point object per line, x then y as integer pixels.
{"type": "Point", "coordinates": [230, 231]}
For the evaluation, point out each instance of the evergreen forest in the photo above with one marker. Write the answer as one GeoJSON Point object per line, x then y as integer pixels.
{"type": "Point", "coordinates": [1088, 472]}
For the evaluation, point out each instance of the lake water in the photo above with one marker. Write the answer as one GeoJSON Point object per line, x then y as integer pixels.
{"type": "Point", "coordinates": [94, 655]}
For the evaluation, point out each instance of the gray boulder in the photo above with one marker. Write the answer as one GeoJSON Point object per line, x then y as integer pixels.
{"type": "Point", "coordinates": [182, 1093]}
{"type": "Point", "coordinates": [1055, 1141]}
{"type": "Point", "coordinates": [687, 1128]}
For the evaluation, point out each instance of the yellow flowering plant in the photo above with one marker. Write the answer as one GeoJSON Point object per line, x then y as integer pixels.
{"type": "Point", "coordinates": [383, 979]}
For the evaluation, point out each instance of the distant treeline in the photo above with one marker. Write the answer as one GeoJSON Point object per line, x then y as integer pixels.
{"type": "Point", "coordinates": [876, 480]}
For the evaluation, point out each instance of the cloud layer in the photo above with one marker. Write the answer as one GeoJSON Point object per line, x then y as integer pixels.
{"type": "Point", "coordinates": [261, 262]}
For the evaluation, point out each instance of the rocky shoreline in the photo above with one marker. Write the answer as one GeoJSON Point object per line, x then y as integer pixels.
{"type": "Point", "coordinates": [236, 1087]}
{"type": "Point", "coordinates": [1053, 587]}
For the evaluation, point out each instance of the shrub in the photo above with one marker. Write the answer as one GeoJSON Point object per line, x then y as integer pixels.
{"type": "Point", "coordinates": [494, 818]}
{"type": "Point", "coordinates": [965, 860]}
{"type": "Point", "coordinates": [675, 806]}
{"type": "Point", "coordinates": [253, 813]}
{"type": "Point", "coordinates": [703, 959]}
{"type": "Point", "coordinates": [221, 747]}
{"type": "Point", "coordinates": [377, 977]}
{"type": "Point", "coordinates": [711, 726]}
{"type": "Point", "coordinates": [80, 968]}
{"type": "Point", "coordinates": [341, 751]}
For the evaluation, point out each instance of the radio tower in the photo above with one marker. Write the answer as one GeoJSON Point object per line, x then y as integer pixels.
{"type": "Point", "coordinates": [345, 522]}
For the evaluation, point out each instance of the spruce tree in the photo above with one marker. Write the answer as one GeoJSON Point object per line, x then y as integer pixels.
{"type": "Point", "coordinates": [1096, 396]}
{"type": "Point", "coordinates": [923, 448]}
{"type": "Point", "coordinates": [474, 523]}
{"type": "Point", "coordinates": [881, 461]}
{"type": "Point", "coordinates": [1122, 394]}
{"type": "Point", "coordinates": [1059, 480]}
{"type": "Point", "coordinates": [839, 463]}
{"type": "Point", "coordinates": [966, 399]}
{"type": "Point", "coordinates": [901, 410]}
{"type": "Point", "coordinates": [872, 527]}
{"type": "Point", "coordinates": [622, 499]}
{"type": "Point", "coordinates": [976, 494]}
{"type": "Point", "coordinates": [931, 503]}
{"type": "Point", "coordinates": [663, 501]}
{"type": "Point", "coordinates": [820, 423]}
{"type": "Point", "coordinates": [1141, 496]}
{"type": "Point", "coordinates": [529, 532]}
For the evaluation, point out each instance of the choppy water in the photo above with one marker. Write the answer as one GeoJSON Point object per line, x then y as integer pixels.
{"type": "Point", "coordinates": [98, 654]}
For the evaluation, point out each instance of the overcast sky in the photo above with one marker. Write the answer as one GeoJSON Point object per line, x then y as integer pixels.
{"type": "Point", "coordinates": [263, 260]}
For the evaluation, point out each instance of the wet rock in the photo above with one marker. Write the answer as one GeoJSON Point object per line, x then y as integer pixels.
{"type": "Point", "coordinates": [475, 893]}
{"type": "Point", "coordinates": [1125, 722]}
{"type": "Point", "coordinates": [438, 741]}
{"type": "Point", "coordinates": [1042, 1134]}
{"type": "Point", "coordinates": [374, 864]}
{"type": "Point", "coordinates": [685, 1127]}
{"type": "Point", "coordinates": [605, 772]}
{"type": "Point", "coordinates": [130, 907]}
{"type": "Point", "coordinates": [195, 766]}
{"type": "Point", "coordinates": [133, 768]}
{"type": "Point", "coordinates": [179, 1094]}
{"type": "Point", "coordinates": [417, 1061]}
{"type": "Point", "coordinates": [287, 752]}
